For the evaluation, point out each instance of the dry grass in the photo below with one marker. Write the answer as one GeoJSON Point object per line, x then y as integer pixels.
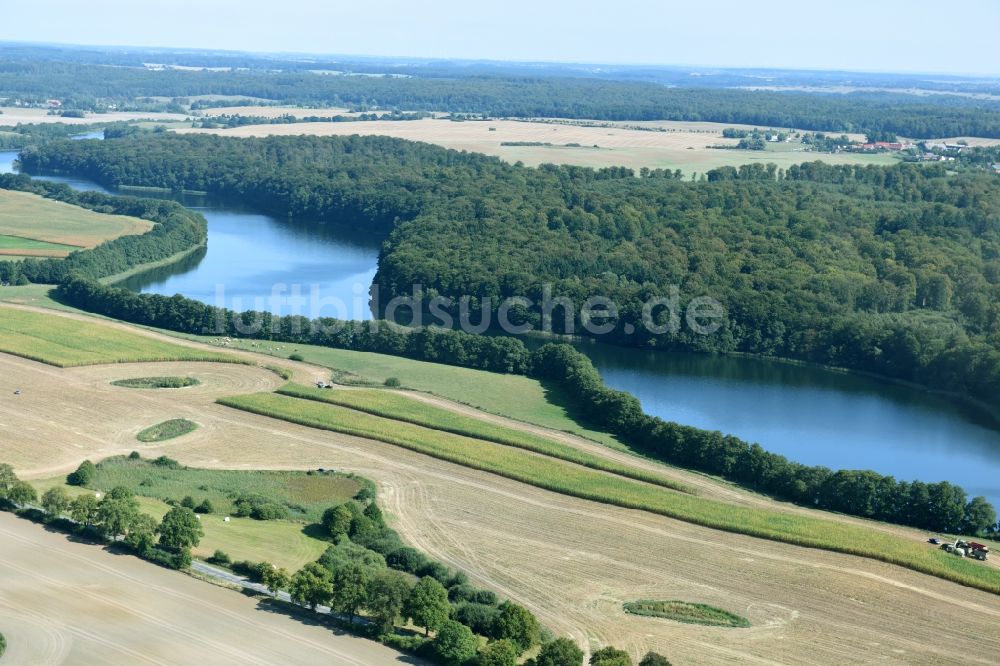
{"type": "Point", "coordinates": [12, 115]}
{"type": "Point", "coordinates": [65, 602]}
{"type": "Point", "coordinates": [29, 216]}
{"type": "Point", "coordinates": [67, 342]}
{"type": "Point", "coordinates": [561, 477]}
{"type": "Point", "coordinates": [572, 561]}
{"type": "Point", "coordinates": [684, 146]}
{"type": "Point", "coordinates": [276, 111]}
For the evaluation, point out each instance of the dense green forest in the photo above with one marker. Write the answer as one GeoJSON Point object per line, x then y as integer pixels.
{"type": "Point", "coordinates": [95, 87]}
{"type": "Point", "coordinates": [887, 269]}
{"type": "Point", "coordinates": [894, 270]}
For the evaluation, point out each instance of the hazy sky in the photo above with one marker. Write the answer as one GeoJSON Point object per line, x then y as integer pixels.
{"type": "Point", "coordinates": [885, 35]}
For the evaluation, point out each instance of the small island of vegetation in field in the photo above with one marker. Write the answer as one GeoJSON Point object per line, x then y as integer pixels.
{"type": "Point", "coordinates": [683, 611]}
{"type": "Point", "coordinates": [167, 430]}
{"type": "Point", "coordinates": [156, 382]}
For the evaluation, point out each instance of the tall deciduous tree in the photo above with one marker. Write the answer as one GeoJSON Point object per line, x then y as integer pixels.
{"type": "Point", "coordinates": [428, 604]}
{"type": "Point", "coordinates": [55, 501]}
{"type": "Point", "coordinates": [350, 588]}
{"type": "Point", "coordinates": [455, 644]}
{"type": "Point", "coordinates": [311, 585]}
{"type": "Point", "coordinates": [180, 529]}
{"type": "Point", "coordinates": [560, 652]}
{"type": "Point", "coordinates": [388, 591]}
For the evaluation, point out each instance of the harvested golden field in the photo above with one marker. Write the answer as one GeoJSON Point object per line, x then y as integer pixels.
{"type": "Point", "coordinates": [684, 146]}
{"type": "Point", "coordinates": [971, 140]}
{"type": "Point", "coordinates": [31, 217]}
{"type": "Point", "coordinates": [64, 602]}
{"type": "Point", "coordinates": [572, 561]}
{"type": "Point", "coordinates": [276, 111]}
{"type": "Point", "coordinates": [12, 115]}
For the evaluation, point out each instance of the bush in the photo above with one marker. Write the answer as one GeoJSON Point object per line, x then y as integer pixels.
{"type": "Point", "coordinates": [413, 643]}
{"type": "Point", "coordinates": [205, 507]}
{"type": "Point", "coordinates": [609, 656]}
{"type": "Point", "coordinates": [187, 502]}
{"type": "Point", "coordinates": [296, 357]}
{"type": "Point", "coordinates": [560, 652]}
{"type": "Point", "coordinates": [478, 617]}
{"type": "Point", "coordinates": [498, 653]}
{"type": "Point", "coordinates": [654, 659]}
{"type": "Point", "coordinates": [220, 557]}
{"type": "Point", "coordinates": [166, 558]}
{"type": "Point", "coordinates": [406, 559]}
{"type": "Point", "coordinates": [252, 570]}
{"type": "Point", "coordinates": [435, 570]}
{"type": "Point", "coordinates": [393, 382]}
{"type": "Point", "coordinates": [164, 461]}
{"type": "Point", "coordinates": [83, 475]}
{"type": "Point", "coordinates": [455, 644]}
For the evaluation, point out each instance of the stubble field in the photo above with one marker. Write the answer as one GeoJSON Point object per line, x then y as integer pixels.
{"type": "Point", "coordinates": [57, 228]}
{"type": "Point", "coordinates": [64, 602]}
{"type": "Point", "coordinates": [683, 146]}
{"type": "Point", "coordinates": [573, 562]}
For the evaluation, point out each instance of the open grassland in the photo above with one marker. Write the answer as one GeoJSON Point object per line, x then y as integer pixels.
{"type": "Point", "coordinates": [305, 495]}
{"type": "Point", "coordinates": [515, 396]}
{"type": "Point", "coordinates": [682, 611]}
{"type": "Point", "coordinates": [28, 247]}
{"type": "Point", "coordinates": [67, 342]}
{"type": "Point", "coordinates": [584, 483]}
{"type": "Point", "coordinates": [66, 602]}
{"type": "Point", "coordinates": [284, 543]}
{"type": "Point", "coordinates": [400, 407]}
{"type": "Point", "coordinates": [60, 225]}
{"type": "Point", "coordinates": [161, 432]}
{"type": "Point", "coordinates": [573, 562]}
{"type": "Point", "coordinates": [683, 146]}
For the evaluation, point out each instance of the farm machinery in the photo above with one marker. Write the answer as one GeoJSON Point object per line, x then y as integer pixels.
{"type": "Point", "coordinates": [967, 549]}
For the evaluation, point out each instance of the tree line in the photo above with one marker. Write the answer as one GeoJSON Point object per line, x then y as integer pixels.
{"type": "Point", "coordinates": [886, 269]}
{"type": "Point", "coordinates": [894, 270]}
{"type": "Point", "coordinates": [95, 87]}
{"type": "Point", "coordinates": [175, 229]}
{"type": "Point", "coordinates": [939, 506]}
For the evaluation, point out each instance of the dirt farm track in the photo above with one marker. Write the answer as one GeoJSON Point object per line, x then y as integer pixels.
{"type": "Point", "coordinates": [572, 562]}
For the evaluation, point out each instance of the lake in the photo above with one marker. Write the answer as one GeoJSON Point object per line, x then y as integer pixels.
{"type": "Point", "coordinates": [811, 415]}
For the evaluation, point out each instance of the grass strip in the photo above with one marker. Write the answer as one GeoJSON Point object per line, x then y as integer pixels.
{"type": "Point", "coordinates": [402, 408]}
{"type": "Point", "coordinates": [66, 342]}
{"type": "Point", "coordinates": [577, 481]}
{"type": "Point", "coordinates": [171, 429]}
{"type": "Point", "coordinates": [156, 382]}
{"type": "Point", "coordinates": [683, 611]}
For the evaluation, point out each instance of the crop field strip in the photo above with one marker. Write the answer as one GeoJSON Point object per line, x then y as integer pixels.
{"type": "Point", "coordinates": [20, 246]}
{"type": "Point", "coordinates": [66, 342]}
{"type": "Point", "coordinates": [33, 218]}
{"type": "Point", "coordinates": [576, 481]}
{"type": "Point", "coordinates": [838, 606]}
{"type": "Point", "coordinates": [398, 407]}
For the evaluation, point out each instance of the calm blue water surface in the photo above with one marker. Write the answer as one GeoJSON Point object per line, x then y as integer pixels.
{"type": "Point", "coordinates": [809, 414]}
